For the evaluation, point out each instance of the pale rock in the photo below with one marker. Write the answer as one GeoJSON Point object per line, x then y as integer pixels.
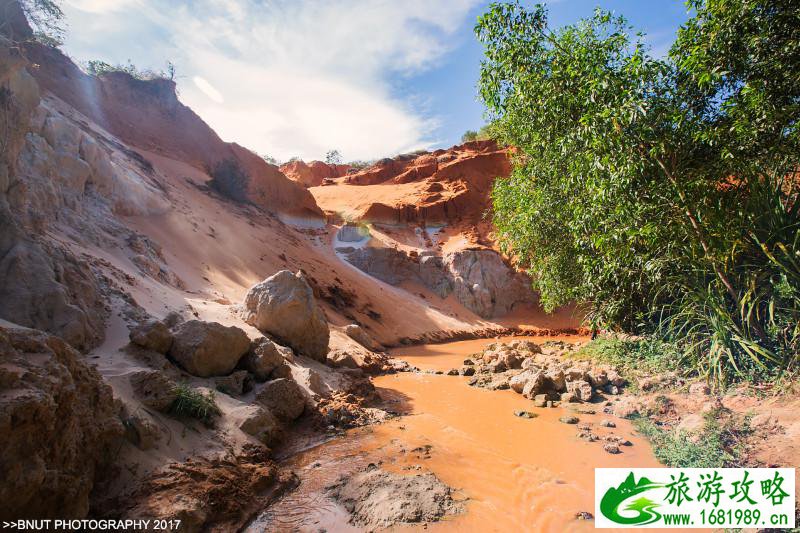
{"type": "Point", "coordinates": [358, 334]}
{"type": "Point", "coordinates": [556, 380]}
{"type": "Point", "coordinates": [283, 397]}
{"type": "Point", "coordinates": [257, 421]}
{"type": "Point", "coordinates": [284, 306]}
{"type": "Point", "coordinates": [263, 357]}
{"type": "Point", "coordinates": [152, 335]}
{"type": "Point", "coordinates": [208, 349]}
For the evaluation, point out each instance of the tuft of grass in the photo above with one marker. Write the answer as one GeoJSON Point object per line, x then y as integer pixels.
{"type": "Point", "coordinates": [646, 355]}
{"type": "Point", "coordinates": [718, 444]}
{"type": "Point", "coordinates": [192, 403]}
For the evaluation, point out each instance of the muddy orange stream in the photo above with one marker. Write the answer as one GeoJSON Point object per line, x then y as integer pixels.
{"type": "Point", "coordinates": [515, 474]}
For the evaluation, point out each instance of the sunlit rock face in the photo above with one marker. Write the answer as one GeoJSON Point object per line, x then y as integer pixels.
{"type": "Point", "coordinates": [480, 279]}
{"type": "Point", "coordinates": [284, 306]}
{"type": "Point", "coordinates": [314, 173]}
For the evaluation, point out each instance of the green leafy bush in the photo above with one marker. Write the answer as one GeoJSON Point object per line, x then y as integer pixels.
{"type": "Point", "coordinates": [469, 136]}
{"type": "Point", "coordinates": [647, 355]}
{"type": "Point", "coordinates": [192, 403]}
{"type": "Point", "coordinates": [46, 19]}
{"type": "Point", "coordinates": [96, 67]}
{"type": "Point", "coordinates": [718, 444]}
{"type": "Point", "coordinates": [653, 190]}
{"type": "Point", "coordinates": [333, 157]}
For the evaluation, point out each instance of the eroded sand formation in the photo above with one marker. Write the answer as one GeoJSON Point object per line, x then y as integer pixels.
{"type": "Point", "coordinates": [176, 314]}
{"type": "Point", "coordinates": [126, 271]}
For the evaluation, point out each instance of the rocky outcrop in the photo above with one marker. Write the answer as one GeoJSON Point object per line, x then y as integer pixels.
{"type": "Point", "coordinates": [41, 286]}
{"type": "Point", "coordinates": [283, 398]}
{"type": "Point", "coordinates": [152, 335]}
{"type": "Point", "coordinates": [144, 113]}
{"type": "Point", "coordinates": [484, 283]}
{"type": "Point", "coordinates": [264, 358]}
{"type": "Point", "coordinates": [258, 422]}
{"type": "Point", "coordinates": [443, 186]}
{"type": "Point", "coordinates": [480, 279]}
{"type": "Point", "coordinates": [58, 427]}
{"type": "Point", "coordinates": [208, 349]}
{"type": "Point", "coordinates": [314, 173]}
{"type": "Point", "coordinates": [387, 264]}
{"type": "Point", "coordinates": [235, 383]}
{"type": "Point", "coordinates": [284, 306]}
{"type": "Point", "coordinates": [47, 288]}
{"type": "Point", "coordinates": [541, 373]}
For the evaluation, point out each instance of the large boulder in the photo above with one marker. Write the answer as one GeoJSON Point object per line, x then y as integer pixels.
{"type": "Point", "coordinates": [283, 398]}
{"type": "Point", "coordinates": [264, 357]}
{"type": "Point", "coordinates": [283, 305]}
{"type": "Point", "coordinates": [208, 349]}
{"type": "Point", "coordinates": [484, 284]}
{"type": "Point", "coordinates": [58, 427]}
{"type": "Point", "coordinates": [152, 335]}
{"type": "Point", "coordinates": [257, 421]}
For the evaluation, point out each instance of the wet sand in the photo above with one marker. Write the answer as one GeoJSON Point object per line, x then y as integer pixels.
{"type": "Point", "coordinates": [516, 474]}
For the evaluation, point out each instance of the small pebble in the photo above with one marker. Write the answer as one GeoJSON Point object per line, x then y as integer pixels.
{"type": "Point", "coordinates": [569, 419]}
{"type": "Point", "coordinates": [607, 423]}
{"type": "Point", "coordinates": [524, 414]}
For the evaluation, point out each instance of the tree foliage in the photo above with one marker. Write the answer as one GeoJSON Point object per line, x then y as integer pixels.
{"type": "Point", "coordinates": [469, 136]}
{"type": "Point", "coordinates": [96, 67]}
{"type": "Point", "coordinates": [483, 134]}
{"type": "Point", "coordinates": [333, 157]}
{"type": "Point", "coordinates": [638, 181]}
{"type": "Point", "coordinates": [46, 20]}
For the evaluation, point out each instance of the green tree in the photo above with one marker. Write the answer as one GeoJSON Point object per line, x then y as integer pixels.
{"type": "Point", "coordinates": [621, 194]}
{"type": "Point", "coordinates": [45, 18]}
{"type": "Point", "coordinates": [333, 157]}
{"type": "Point", "coordinates": [96, 67]}
{"type": "Point", "coordinates": [469, 136]}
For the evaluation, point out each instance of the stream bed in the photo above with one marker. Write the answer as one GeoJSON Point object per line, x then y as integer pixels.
{"type": "Point", "coordinates": [513, 473]}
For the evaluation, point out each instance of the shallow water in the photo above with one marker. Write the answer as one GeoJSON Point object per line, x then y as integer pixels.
{"type": "Point", "coordinates": [516, 474]}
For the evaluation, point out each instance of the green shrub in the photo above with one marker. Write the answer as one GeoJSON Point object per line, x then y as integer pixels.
{"type": "Point", "coordinates": [469, 136]}
{"type": "Point", "coordinates": [192, 403]}
{"type": "Point", "coordinates": [640, 356]}
{"type": "Point", "coordinates": [95, 67]}
{"type": "Point", "coordinates": [652, 189]}
{"type": "Point", "coordinates": [718, 444]}
{"type": "Point", "coordinates": [46, 19]}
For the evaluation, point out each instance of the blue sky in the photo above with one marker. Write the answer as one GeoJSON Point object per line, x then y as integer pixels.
{"type": "Point", "coordinates": [371, 78]}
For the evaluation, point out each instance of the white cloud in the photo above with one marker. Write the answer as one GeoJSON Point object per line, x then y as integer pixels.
{"type": "Point", "coordinates": [208, 89]}
{"type": "Point", "coordinates": [284, 77]}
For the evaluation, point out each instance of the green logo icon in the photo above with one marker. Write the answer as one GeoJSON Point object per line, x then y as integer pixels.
{"type": "Point", "coordinates": [614, 498]}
